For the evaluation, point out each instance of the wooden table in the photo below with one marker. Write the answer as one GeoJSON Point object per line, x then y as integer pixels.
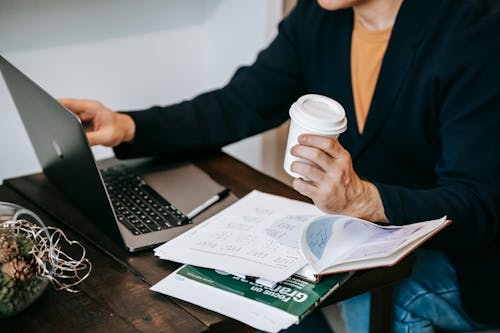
{"type": "Point", "coordinates": [116, 297]}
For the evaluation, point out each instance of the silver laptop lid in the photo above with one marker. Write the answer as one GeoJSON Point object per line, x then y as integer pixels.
{"type": "Point", "coordinates": [61, 146]}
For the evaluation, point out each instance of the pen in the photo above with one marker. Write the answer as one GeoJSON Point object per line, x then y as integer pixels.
{"type": "Point", "coordinates": [213, 200]}
{"type": "Point", "coordinates": [255, 279]}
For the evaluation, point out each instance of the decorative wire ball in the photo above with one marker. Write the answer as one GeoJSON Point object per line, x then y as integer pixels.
{"type": "Point", "coordinates": [24, 243]}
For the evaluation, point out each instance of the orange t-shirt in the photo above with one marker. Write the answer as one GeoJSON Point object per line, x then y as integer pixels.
{"type": "Point", "coordinates": [367, 51]}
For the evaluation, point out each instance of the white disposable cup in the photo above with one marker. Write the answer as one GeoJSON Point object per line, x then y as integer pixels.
{"type": "Point", "coordinates": [313, 114]}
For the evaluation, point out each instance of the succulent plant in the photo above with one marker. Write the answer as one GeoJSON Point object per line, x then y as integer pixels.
{"type": "Point", "coordinates": [8, 247]}
{"type": "Point", "coordinates": [18, 283]}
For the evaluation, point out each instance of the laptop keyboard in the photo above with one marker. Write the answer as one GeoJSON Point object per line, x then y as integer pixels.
{"type": "Point", "coordinates": [138, 206]}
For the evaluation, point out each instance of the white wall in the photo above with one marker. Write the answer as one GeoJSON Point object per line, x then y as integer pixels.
{"type": "Point", "coordinates": [128, 54]}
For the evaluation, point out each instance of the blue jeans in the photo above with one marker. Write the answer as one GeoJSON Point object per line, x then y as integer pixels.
{"type": "Point", "coordinates": [428, 299]}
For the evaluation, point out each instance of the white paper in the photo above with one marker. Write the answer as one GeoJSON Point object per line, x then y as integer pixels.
{"type": "Point", "coordinates": [256, 236]}
{"type": "Point", "coordinates": [253, 313]}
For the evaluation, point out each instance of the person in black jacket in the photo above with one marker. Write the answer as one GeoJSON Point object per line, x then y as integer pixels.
{"type": "Point", "coordinates": [423, 110]}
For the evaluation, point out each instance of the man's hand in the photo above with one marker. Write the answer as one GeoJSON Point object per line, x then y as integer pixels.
{"type": "Point", "coordinates": [333, 184]}
{"type": "Point", "coordinates": [103, 126]}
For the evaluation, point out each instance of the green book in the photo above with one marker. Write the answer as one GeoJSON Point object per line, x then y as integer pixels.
{"type": "Point", "coordinates": [263, 307]}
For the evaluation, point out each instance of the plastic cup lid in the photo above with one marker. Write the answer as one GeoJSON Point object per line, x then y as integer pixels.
{"type": "Point", "coordinates": [319, 114]}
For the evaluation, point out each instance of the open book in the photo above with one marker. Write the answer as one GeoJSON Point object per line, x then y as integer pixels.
{"type": "Point", "coordinates": [335, 243]}
{"type": "Point", "coordinates": [272, 237]}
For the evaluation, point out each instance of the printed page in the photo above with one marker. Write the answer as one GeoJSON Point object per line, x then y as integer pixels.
{"type": "Point", "coordinates": [256, 236]}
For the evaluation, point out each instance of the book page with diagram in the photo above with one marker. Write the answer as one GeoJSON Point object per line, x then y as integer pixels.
{"type": "Point", "coordinates": [337, 243]}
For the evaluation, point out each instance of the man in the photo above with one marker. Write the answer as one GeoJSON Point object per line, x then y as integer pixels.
{"type": "Point", "coordinates": [420, 82]}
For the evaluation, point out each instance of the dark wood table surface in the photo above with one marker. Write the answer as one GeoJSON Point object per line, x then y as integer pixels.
{"type": "Point", "coordinates": [116, 296]}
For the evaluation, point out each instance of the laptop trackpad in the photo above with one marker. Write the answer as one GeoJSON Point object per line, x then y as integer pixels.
{"type": "Point", "coordinates": [185, 186]}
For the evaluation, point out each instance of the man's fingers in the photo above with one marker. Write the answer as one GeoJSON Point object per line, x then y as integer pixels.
{"type": "Point", "coordinates": [80, 105]}
{"type": "Point", "coordinates": [98, 138]}
{"type": "Point", "coordinates": [86, 116]}
{"type": "Point", "coordinates": [313, 154]}
{"type": "Point", "coordinates": [330, 146]}
{"type": "Point", "coordinates": [309, 171]}
{"type": "Point", "coordinates": [93, 138]}
{"type": "Point", "coordinates": [71, 104]}
{"type": "Point", "coordinates": [104, 136]}
{"type": "Point", "coordinates": [304, 188]}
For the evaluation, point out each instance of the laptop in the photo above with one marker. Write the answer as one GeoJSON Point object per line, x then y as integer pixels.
{"type": "Point", "coordinates": [119, 202]}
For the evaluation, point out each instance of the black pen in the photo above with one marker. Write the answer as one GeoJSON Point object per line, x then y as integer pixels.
{"type": "Point", "coordinates": [256, 279]}
{"type": "Point", "coordinates": [213, 200]}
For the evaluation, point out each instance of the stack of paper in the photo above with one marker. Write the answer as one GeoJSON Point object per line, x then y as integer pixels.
{"type": "Point", "coordinates": [265, 308]}
{"type": "Point", "coordinates": [256, 236]}
{"type": "Point", "coordinates": [271, 237]}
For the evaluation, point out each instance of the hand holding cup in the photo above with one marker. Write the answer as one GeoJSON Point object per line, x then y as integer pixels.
{"type": "Point", "coordinates": [323, 168]}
